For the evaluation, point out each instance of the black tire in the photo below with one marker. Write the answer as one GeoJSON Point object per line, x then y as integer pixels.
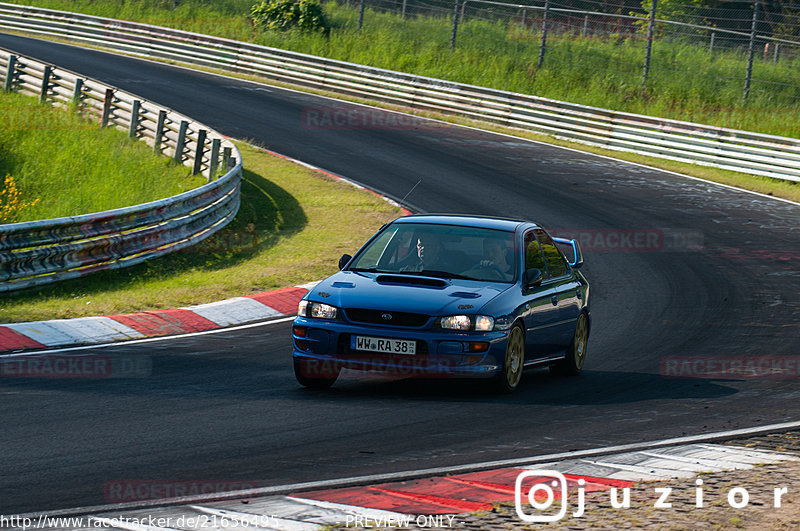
{"type": "Point", "coordinates": [511, 374]}
{"type": "Point", "coordinates": [576, 352]}
{"type": "Point", "coordinates": [323, 380]}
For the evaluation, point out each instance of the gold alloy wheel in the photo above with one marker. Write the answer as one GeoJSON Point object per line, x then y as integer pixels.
{"type": "Point", "coordinates": [515, 356]}
{"type": "Point", "coordinates": [580, 341]}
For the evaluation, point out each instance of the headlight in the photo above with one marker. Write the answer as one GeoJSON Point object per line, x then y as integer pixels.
{"type": "Point", "coordinates": [481, 323]}
{"type": "Point", "coordinates": [319, 310]}
{"type": "Point", "coordinates": [457, 322]}
{"type": "Point", "coordinates": [322, 311]}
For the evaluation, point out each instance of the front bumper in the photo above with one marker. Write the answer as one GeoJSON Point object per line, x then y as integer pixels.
{"type": "Point", "coordinates": [325, 345]}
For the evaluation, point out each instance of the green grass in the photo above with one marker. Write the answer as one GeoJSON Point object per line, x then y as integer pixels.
{"type": "Point", "coordinates": [292, 226]}
{"type": "Point", "coordinates": [686, 81]}
{"type": "Point", "coordinates": [73, 167]}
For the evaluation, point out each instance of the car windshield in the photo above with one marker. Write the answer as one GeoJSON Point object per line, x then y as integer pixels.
{"type": "Point", "coordinates": [443, 251]}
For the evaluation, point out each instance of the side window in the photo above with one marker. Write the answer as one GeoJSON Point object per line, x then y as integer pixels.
{"type": "Point", "coordinates": [555, 260]}
{"type": "Point", "coordinates": [533, 254]}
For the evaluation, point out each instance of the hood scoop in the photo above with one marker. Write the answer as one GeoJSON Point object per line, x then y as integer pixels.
{"type": "Point", "coordinates": [466, 295]}
{"type": "Point", "coordinates": [409, 280]}
{"type": "Point", "coordinates": [339, 284]}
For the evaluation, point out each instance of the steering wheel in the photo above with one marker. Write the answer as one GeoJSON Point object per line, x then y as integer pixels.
{"type": "Point", "coordinates": [491, 266]}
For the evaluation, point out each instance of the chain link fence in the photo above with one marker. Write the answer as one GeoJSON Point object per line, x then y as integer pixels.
{"type": "Point", "coordinates": [755, 43]}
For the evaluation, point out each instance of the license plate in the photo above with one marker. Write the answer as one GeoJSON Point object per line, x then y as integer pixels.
{"type": "Point", "coordinates": [384, 345]}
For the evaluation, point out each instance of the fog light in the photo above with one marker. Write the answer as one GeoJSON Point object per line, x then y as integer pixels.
{"type": "Point", "coordinates": [473, 359]}
{"type": "Point", "coordinates": [300, 331]}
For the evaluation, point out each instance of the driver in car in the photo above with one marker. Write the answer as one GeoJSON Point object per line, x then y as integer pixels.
{"type": "Point", "coordinates": [496, 256]}
{"type": "Point", "coordinates": [429, 256]}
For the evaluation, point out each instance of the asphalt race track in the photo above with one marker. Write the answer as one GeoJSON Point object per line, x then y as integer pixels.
{"type": "Point", "coordinates": [719, 279]}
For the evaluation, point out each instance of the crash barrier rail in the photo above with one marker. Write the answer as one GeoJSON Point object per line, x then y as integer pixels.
{"type": "Point", "coordinates": [39, 252]}
{"type": "Point", "coordinates": [729, 149]}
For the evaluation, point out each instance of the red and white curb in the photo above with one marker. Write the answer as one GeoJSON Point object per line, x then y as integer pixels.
{"type": "Point", "coordinates": [61, 333]}
{"type": "Point", "coordinates": [429, 502]}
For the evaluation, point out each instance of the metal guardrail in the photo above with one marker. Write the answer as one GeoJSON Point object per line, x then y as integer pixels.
{"type": "Point", "coordinates": [729, 149]}
{"type": "Point", "coordinates": [39, 252]}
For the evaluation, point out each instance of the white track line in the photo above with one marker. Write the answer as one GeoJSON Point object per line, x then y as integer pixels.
{"type": "Point", "coordinates": [150, 339]}
{"type": "Point", "coordinates": [426, 472]}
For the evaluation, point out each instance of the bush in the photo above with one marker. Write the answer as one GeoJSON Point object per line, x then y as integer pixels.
{"type": "Point", "coordinates": [306, 15]}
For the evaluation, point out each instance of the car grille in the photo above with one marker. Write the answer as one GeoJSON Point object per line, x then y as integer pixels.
{"type": "Point", "coordinates": [361, 315]}
{"type": "Point", "coordinates": [343, 347]}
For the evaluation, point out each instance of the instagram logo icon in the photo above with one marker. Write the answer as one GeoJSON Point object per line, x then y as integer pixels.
{"type": "Point", "coordinates": [541, 489]}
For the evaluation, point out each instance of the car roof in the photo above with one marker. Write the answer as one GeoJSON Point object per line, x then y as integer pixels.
{"type": "Point", "coordinates": [485, 222]}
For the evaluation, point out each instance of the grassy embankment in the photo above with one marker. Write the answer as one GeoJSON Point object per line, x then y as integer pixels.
{"type": "Point", "coordinates": [289, 230]}
{"type": "Point", "coordinates": [687, 82]}
{"type": "Point", "coordinates": [68, 166]}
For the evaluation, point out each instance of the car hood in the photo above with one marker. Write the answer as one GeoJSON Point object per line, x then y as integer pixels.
{"type": "Point", "coordinates": [406, 293]}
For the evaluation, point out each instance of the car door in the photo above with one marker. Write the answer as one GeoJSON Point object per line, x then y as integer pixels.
{"type": "Point", "coordinates": [540, 311]}
{"type": "Point", "coordinates": [567, 303]}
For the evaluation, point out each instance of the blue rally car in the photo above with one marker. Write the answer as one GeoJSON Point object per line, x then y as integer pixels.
{"type": "Point", "coordinates": [447, 296]}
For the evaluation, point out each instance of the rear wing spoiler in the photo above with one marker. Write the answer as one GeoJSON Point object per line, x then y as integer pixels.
{"type": "Point", "coordinates": [577, 260]}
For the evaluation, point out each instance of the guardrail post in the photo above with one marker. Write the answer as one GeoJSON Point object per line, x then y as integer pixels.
{"type": "Point", "coordinates": [226, 159]}
{"type": "Point", "coordinates": [77, 92]}
{"type": "Point", "coordinates": [213, 163]}
{"type": "Point", "coordinates": [133, 129]}
{"type": "Point", "coordinates": [651, 30]}
{"type": "Point", "coordinates": [48, 70]}
{"type": "Point", "coordinates": [107, 102]}
{"type": "Point", "coordinates": [198, 155]}
{"type": "Point", "coordinates": [751, 49]}
{"type": "Point", "coordinates": [162, 122]}
{"type": "Point", "coordinates": [10, 71]}
{"type": "Point", "coordinates": [179, 145]}
{"type": "Point", "coordinates": [455, 26]}
{"type": "Point", "coordinates": [543, 43]}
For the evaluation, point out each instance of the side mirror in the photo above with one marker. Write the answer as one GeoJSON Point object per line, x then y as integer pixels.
{"type": "Point", "coordinates": [577, 255]}
{"type": "Point", "coordinates": [343, 260]}
{"type": "Point", "coordinates": [533, 278]}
